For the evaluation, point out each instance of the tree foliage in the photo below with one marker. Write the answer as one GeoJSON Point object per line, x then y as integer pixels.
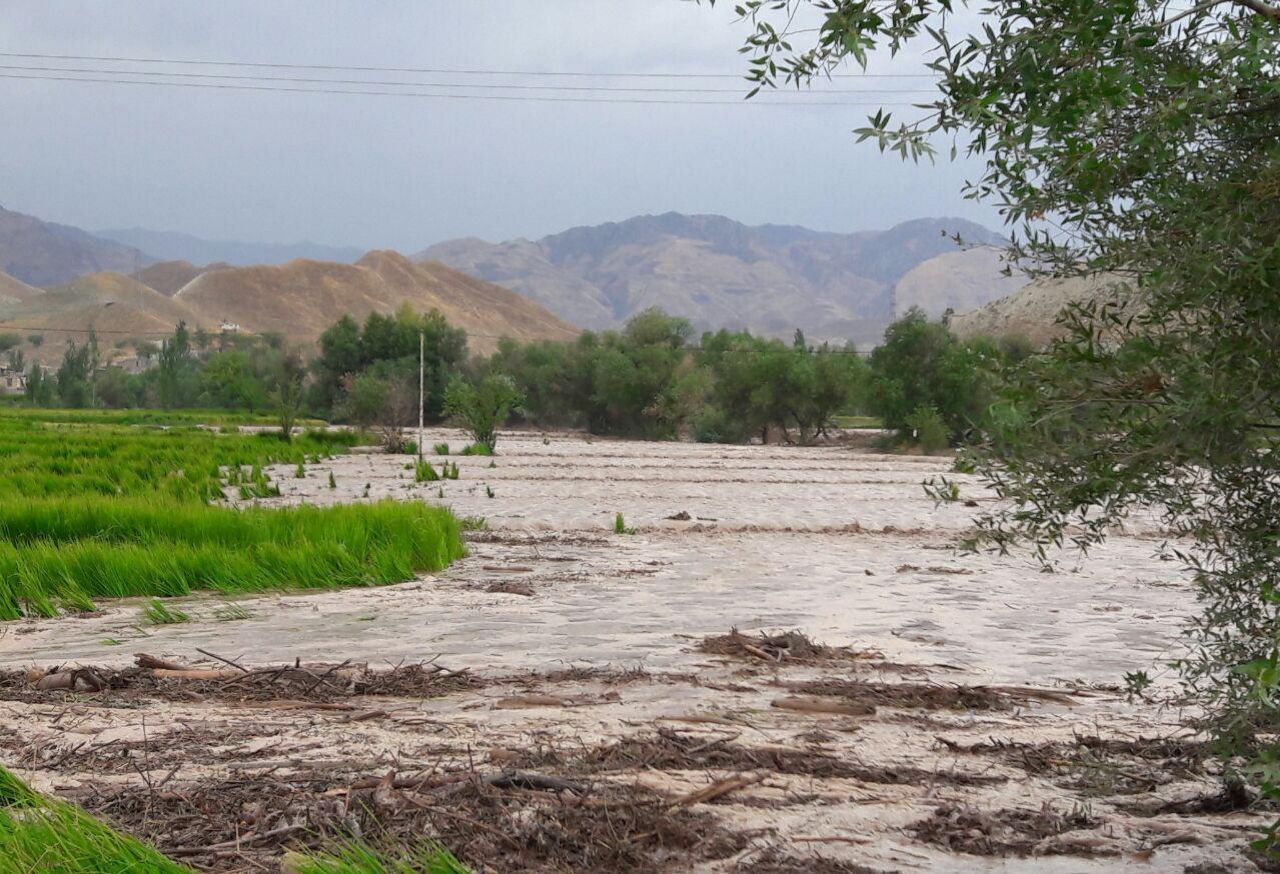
{"type": "Point", "coordinates": [1137, 141]}
{"type": "Point", "coordinates": [481, 407]}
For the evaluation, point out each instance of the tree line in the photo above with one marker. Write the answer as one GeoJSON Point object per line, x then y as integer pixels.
{"type": "Point", "coordinates": [653, 378]}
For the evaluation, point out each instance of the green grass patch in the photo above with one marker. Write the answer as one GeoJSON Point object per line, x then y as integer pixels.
{"type": "Point", "coordinates": [149, 417]}
{"type": "Point", "coordinates": [109, 511]}
{"type": "Point", "coordinates": [38, 834]}
{"type": "Point", "coordinates": [476, 449]}
{"type": "Point", "coordinates": [425, 472]}
{"type": "Point", "coordinates": [157, 612]}
{"type": "Point", "coordinates": [63, 554]}
{"type": "Point", "coordinates": [358, 858]}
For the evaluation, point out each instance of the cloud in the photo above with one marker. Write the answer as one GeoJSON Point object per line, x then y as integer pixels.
{"type": "Point", "coordinates": [403, 173]}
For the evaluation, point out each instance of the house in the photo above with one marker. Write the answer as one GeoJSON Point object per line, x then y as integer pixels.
{"type": "Point", "coordinates": [12, 382]}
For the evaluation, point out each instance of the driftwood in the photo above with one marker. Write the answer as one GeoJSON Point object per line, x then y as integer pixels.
{"type": "Point", "coordinates": [143, 660]}
{"type": "Point", "coordinates": [717, 789]}
{"type": "Point", "coordinates": [821, 705]}
{"type": "Point", "coordinates": [194, 674]}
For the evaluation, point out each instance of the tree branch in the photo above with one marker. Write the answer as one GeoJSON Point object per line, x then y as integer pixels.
{"type": "Point", "coordinates": [1262, 8]}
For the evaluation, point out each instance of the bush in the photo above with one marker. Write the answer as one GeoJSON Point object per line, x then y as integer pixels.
{"type": "Point", "coordinates": [424, 473]}
{"type": "Point", "coordinates": [928, 430]}
{"type": "Point", "coordinates": [442, 448]}
{"type": "Point", "coordinates": [477, 449]}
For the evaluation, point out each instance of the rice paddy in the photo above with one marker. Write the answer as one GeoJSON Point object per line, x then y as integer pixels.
{"type": "Point", "coordinates": [37, 834]}
{"type": "Point", "coordinates": [113, 511]}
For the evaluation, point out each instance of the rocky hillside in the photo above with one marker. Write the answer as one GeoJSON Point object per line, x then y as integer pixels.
{"type": "Point", "coordinates": [720, 273]}
{"type": "Point", "coordinates": [1033, 311]}
{"type": "Point", "coordinates": [42, 253]}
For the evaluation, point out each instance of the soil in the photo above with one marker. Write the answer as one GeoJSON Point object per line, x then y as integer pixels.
{"type": "Point", "coordinates": [802, 675]}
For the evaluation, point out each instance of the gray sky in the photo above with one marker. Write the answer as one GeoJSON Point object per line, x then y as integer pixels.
{"type": "Point", "coordinates": [375, 171]}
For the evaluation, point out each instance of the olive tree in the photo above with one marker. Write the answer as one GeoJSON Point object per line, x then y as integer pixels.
{"type": "Point", "coordinates": [1137, 140]}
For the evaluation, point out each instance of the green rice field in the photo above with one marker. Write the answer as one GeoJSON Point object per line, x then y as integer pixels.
{"type": "Point", "coordinates": [110, 510]}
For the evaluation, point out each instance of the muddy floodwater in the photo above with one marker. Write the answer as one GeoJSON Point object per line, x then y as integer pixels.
{"type": "Point", "coordinates": [963, 713]}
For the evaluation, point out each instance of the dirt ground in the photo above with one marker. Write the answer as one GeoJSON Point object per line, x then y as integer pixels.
{"type": "Point", "coordinates": [585, 707]}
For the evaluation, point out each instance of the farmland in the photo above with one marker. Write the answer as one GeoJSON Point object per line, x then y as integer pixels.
{"type": "Point", "coordinates": [572, 697]}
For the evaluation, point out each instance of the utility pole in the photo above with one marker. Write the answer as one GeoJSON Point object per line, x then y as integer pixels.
{"type": "Point", "coordinates": [421, 388]}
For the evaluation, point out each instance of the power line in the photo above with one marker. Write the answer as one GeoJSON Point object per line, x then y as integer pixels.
{"type": "Point", "coordinates": [429, 96]}
{"type": "Point", "coordinates": [437, 70]}
{"type": "Point", "coordinates": [464, 85]}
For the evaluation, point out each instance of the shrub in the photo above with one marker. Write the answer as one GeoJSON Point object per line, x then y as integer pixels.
{"type": "Point", "coordinates": [424, 472]}
{"type": "Point", "coordinates": [442, 448]}
{"type": "Point", "coordinates": [928, 429]}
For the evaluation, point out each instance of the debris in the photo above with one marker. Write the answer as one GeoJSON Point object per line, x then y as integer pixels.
{"type": "Point", "coordinates": [822, 705]}
{"type": "Point", "coordinates": [791, 646]}
{"type": "Point", "coordinates": [682, 516]}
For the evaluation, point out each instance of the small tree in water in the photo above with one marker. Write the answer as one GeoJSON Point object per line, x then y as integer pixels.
{"type": "Point", "coordinates": [482, 406]}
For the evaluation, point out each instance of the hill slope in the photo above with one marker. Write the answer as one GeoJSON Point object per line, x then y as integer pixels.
{"type": "Point", "coordinates": [116, 306]}
{"type": "Point", "coordinates": [302, 298]}
{"type": "Point", "coordinates": [721, 273]}
{"type": "Point", "coordinates": [43, 253]}
{"type": "Point", "coordinates": [1033, 311]}
{"type": "Point", "coordinates": [12, 291]}
{"type": "Point", "coordinates": [962, 280]}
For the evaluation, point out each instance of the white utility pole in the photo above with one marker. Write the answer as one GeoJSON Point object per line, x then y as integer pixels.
{"type": "Point", "coordinates": [421, 389]}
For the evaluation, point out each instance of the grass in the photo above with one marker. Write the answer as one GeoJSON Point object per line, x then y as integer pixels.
{"type": "Point", "coordinates": [158, 613]}
{"type": "Point", "coordinates": [425, 472]}
{"type": "Point", "coordinates": [37, 834]}
{"type": "Point", "coordinates": [62, 554]}
{"type": "Point", "coordinates": [620, 525]}
{"type": "Point", "coordinates": [358, 858]}
{"type": "Point", "coordinates": [110, 511]}
{"type": "Point", "coordinates": [231, 613]}
{"type": "Point", "coordinates": [476, 449]}
{"type": "Point", "coordinates": [442, 448]}
{"type": "Point", "coordinates": [149, 417]}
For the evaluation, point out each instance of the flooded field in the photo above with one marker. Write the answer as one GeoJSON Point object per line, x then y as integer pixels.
{"type": "Point", "coordinates": [586, 706]}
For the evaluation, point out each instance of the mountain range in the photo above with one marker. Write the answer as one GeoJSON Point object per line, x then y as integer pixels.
{"type": "Point", "coordinates": [171, 246]}
{"type": "Point", "coordinates": [770, 279]}
{"type": "Point", "coordinates": [42, 253]}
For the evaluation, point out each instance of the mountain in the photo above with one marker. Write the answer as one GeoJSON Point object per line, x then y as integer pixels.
{"type": "Point", "coordinates": [961, 280]}
{"type": "Point", "coordinates": [718, 272]}
{"type": "Point", "coordinates": [42, 253]}
{"type": "Point", "coordinates": [172, 246]}
{"type": "Point", "coordinates": [302, 298]}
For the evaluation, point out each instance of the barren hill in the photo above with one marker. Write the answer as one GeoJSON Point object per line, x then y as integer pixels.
{"type": "Point", "coordinates": [12, 291]}
{"type": "Point", "coordinates": [720, 273]}
{"type": "Point", "coordinates": [1033, 311]}
{"type": "Point", "coordinates": [169, 276]}
{"type": "Point", "coordinates": [43, 253]}
{"type": "Point", "coordinates": [302, 298]}
{"type": "Point", "coordinates": [962, 280]}
{"type": "Point", "coordinates": [117, 307]}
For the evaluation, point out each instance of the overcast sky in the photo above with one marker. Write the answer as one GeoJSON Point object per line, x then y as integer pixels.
{"type": "Point", "coordinates": [398, 172]}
